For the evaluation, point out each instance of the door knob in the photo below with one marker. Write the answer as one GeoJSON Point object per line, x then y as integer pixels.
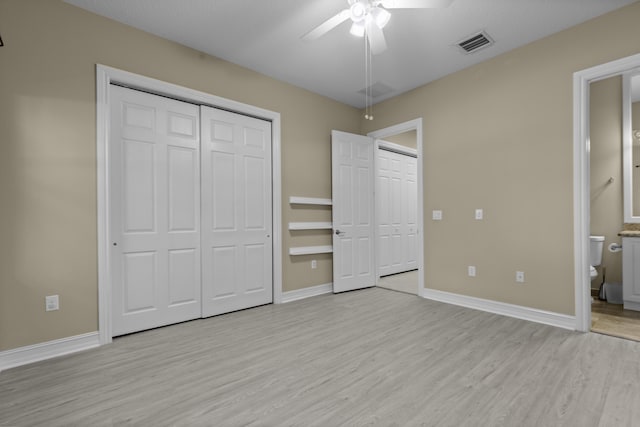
{"type": "Point", "coordinates": [339, 233]}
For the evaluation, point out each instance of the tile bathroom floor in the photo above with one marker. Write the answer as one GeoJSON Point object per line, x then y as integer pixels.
{"type": "Point", "coordinates": [612, 319]}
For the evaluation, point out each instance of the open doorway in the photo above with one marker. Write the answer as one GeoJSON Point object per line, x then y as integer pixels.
{"type": "Point", "coordinates": [585, 184]}
{"type": "Point", "coordinates": [613, 102]}
{"type": "Point", "coordinates": [398, 207]}
{"type": "Point", "coordinates": [397, 212]}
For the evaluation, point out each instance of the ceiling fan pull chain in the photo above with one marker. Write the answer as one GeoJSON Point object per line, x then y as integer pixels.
{"type": "Point", "coordinates": [367, 54]}
{"type": "Point", "coordinates": [367, 78]}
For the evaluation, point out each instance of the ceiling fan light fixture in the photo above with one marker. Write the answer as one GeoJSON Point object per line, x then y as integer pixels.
{"type": "Point", "coordinates": [380, 17]}
{"type": "Point", "coordinates": [357, 29]}
{"type": "Point", "coordinates": [358, 11]}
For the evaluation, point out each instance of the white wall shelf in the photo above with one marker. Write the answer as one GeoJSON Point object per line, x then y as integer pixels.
{"type": "Point", "coordinates": [294, 200]}
{"type": "Point", "coordinates": [307, 250]}
{"type": "Point", "coordinates": [310, 225]}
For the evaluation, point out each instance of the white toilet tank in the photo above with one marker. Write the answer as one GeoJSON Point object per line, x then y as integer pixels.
{"type": "Point", "coordinates": [596, 245]}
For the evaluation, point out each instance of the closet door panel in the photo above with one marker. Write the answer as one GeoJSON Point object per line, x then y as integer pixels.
{"type": "Point", "coordinates": [154, 210]}
{"type": "Point", "coordinates": [411, 208]}
{"type": "Point", "coordinates": [383, 211]}
{"type": "Point", "coordinates": [236, 208]}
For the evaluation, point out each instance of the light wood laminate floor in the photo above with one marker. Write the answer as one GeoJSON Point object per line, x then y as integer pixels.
{"type": "Point", "coordinates": [370, 357]}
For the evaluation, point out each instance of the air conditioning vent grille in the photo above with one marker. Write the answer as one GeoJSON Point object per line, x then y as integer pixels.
{"type": "Point", "coordinates": [475, 42]}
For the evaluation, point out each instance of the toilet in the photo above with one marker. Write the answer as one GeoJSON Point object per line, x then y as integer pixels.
{"type": "Point", "coordinates": [595, 247]}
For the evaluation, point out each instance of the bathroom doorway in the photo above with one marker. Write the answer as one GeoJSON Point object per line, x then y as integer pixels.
{"type": "Point", "coordinates": [599, 179]}
{"type": "Point", "coordinates": [608, 315]}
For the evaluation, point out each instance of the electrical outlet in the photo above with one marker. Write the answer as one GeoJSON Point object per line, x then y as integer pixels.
{"type": "Point", "coordinates": [52, 302]}
{"type": "Point", "coordinates": [314, 263]}
{"type": "Point", "coordinates": [520, 276]}
{"type": "Point", "coordinates": [479, 213]}
{"type": "Point", "coordinates": [436, 215]}
{"type": "Point", "coordinates": [471, 270]}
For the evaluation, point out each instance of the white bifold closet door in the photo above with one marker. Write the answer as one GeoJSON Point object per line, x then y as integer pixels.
{"type": "Point", "coordinates": [236, 212]}
{"type": "Point", "coordinates": [397, 213]}
{"type": "Point", "coordinates": [154, 210]}
{"type": "Point", "coordinates": [190, 211]}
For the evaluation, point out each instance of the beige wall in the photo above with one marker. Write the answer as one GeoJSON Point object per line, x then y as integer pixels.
{"type": "Point", "coordinates": [48, 155]}
{"type": "Point", "coordinates": [606, 163]}
{"type": "Point", "coordinates": [498, 136]}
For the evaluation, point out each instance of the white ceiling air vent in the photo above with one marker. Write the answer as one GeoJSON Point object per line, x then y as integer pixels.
{"type": "Point", "coordinates": [475, 42]}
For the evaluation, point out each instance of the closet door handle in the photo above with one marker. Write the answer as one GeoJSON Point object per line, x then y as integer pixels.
{"type": "Point", "coordinates": [340, 233]}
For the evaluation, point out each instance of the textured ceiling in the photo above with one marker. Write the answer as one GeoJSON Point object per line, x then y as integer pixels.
{"type": "Point", "coordinates": [265, 36]}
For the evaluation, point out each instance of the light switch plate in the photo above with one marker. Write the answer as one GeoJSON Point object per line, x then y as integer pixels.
{"type": "Point", "coordinates": [479, 213]}
{"type": "Point", "coordinates": [436, 215]}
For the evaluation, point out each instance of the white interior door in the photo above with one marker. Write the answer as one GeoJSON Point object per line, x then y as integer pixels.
{"type": "Point", "coordinates": [155, 218]}
{"type": "Point", "coordinates": [352, 171]}
{"type": "Point", "coordinates": [236, 212]}
{"type": "Point", "coordinates": [396, 212]}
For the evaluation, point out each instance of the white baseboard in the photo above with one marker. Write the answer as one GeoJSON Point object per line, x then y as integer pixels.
{"type": "Point", "coordinates": [289, 296]}
{"type": "Point", "coordinates": [519, 312]}
{"type": "Point", "coordinates": [47, 350]}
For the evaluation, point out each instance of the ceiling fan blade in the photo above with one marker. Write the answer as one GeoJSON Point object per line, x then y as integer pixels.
{"type": "Point", "coordinates": [377, 42]}
{"type": "Point", "coordinates": [327, 26]}
{"type": "Point", "coordinates": [416, 4]}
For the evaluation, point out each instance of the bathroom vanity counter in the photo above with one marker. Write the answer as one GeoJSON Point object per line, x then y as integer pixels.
{"type": "Point", "coordinates": [629, 233]}
{"type": "Point", "coordinates": [630, 230]}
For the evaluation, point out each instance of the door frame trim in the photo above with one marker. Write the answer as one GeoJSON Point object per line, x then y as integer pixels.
{"type": "Point", "coordinates": [105, 76]}
{"type": "Point", "coordinates": [415, 124]}
{"type": "Point", "coordinates": [581, 179]}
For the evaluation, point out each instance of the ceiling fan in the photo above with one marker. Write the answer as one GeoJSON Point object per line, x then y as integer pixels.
{"type": "Point", "coordinates": [369, 18]}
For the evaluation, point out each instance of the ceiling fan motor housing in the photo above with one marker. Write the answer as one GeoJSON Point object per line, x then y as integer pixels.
{"type": "Point", "coordinates": [359, 10]}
